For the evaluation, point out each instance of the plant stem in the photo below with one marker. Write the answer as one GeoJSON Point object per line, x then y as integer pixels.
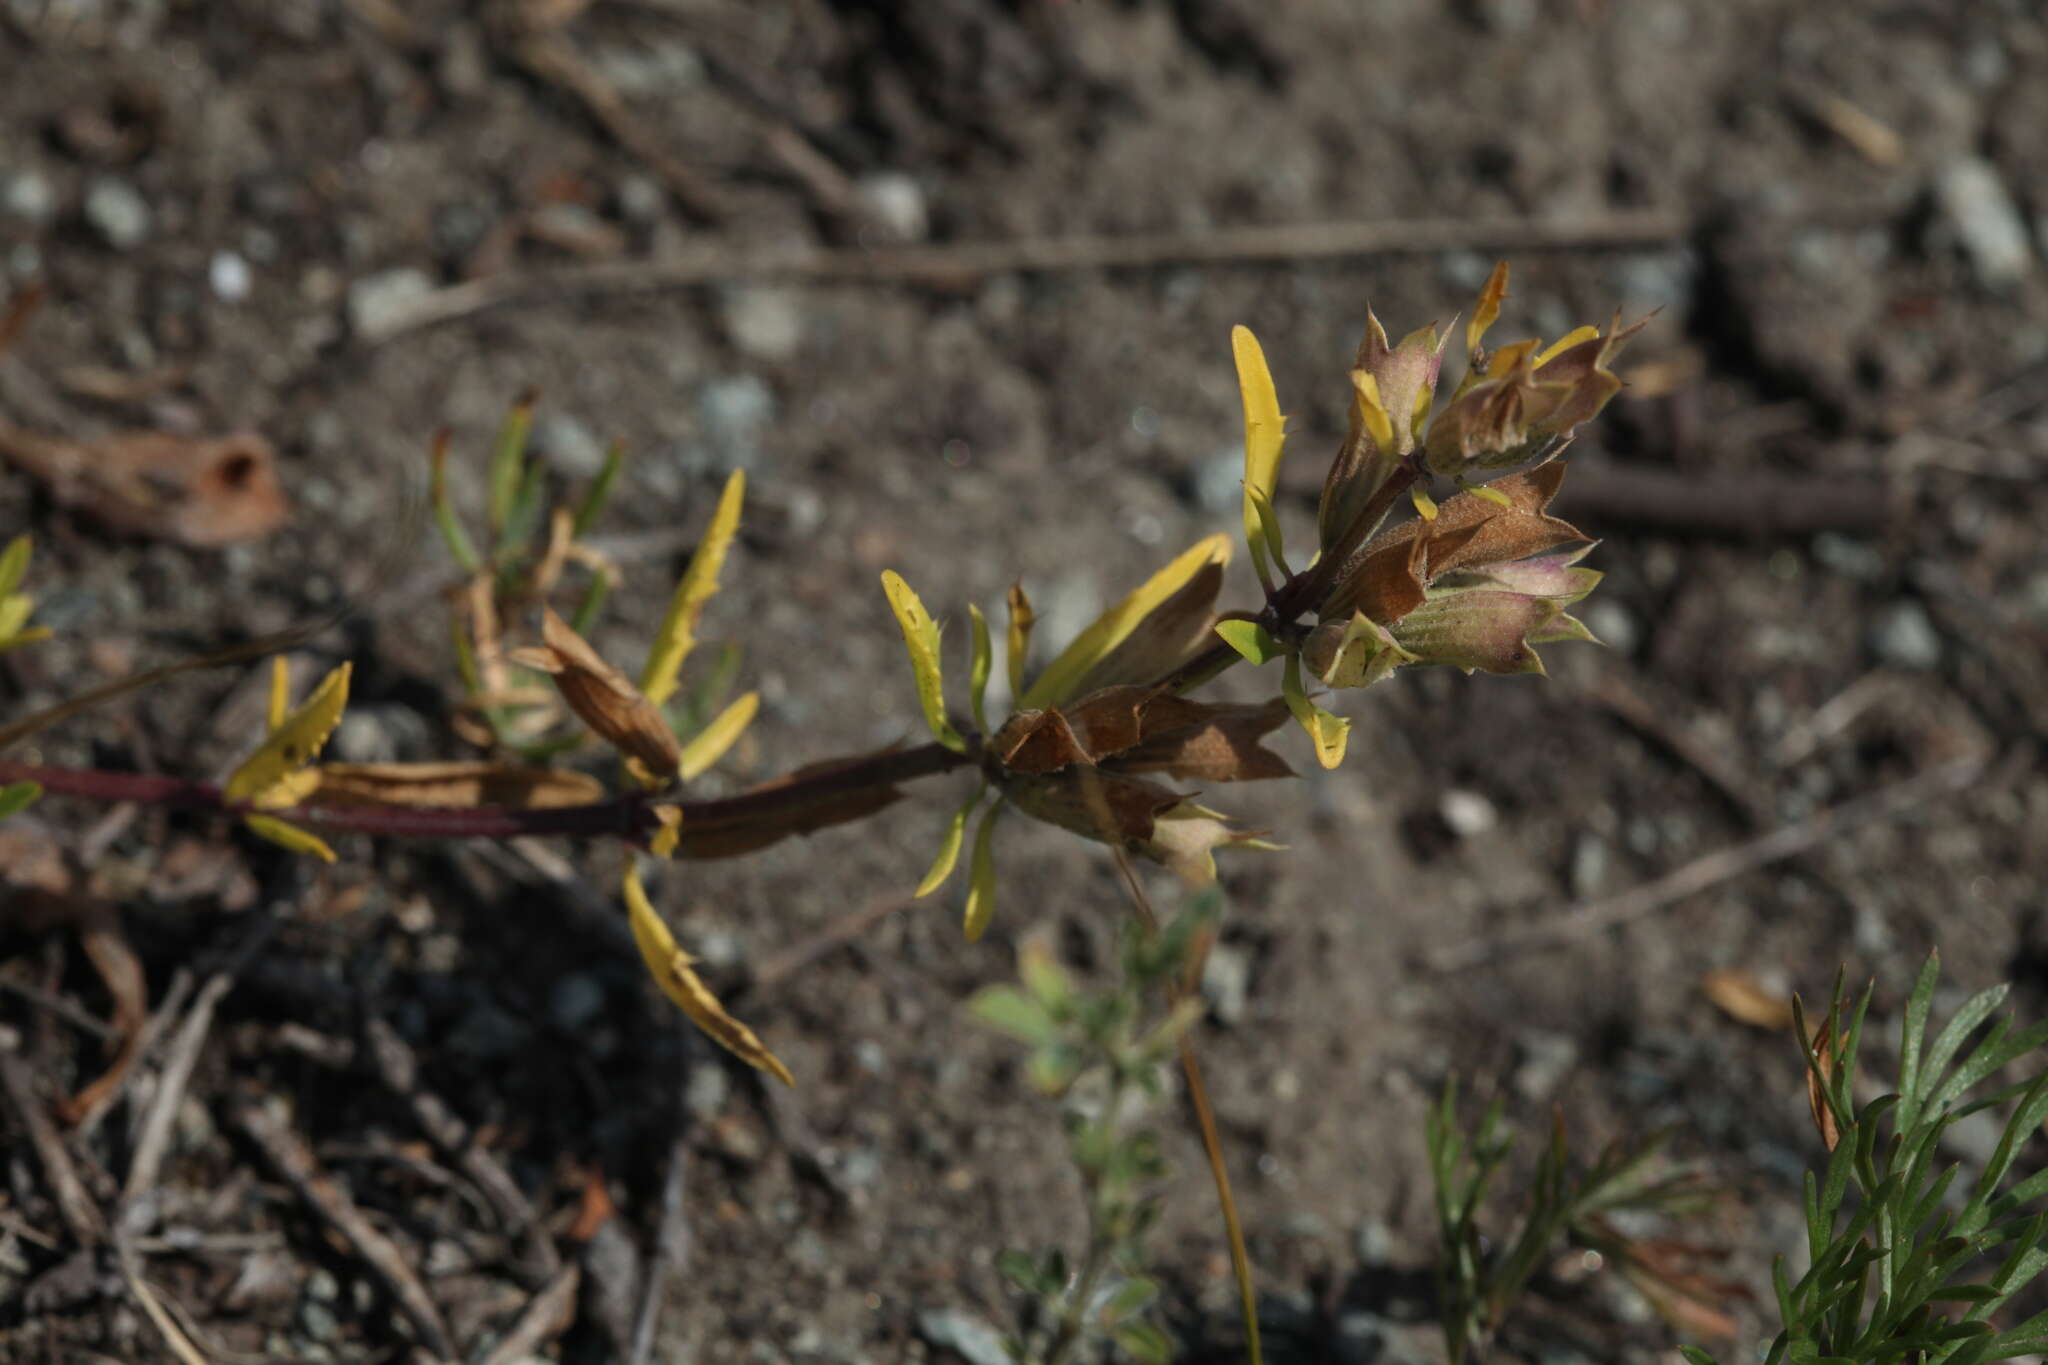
{"type": "Point", "coordinates": [1101, 1241]}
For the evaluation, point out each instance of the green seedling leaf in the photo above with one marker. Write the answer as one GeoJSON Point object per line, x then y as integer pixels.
{"type": "Point", "coordinates": [288, 836]}
{"type": "Point", "coordinates": [525, 517]}
{"type": "Point", "coordinates": [1269, 522]}
{"type": "Point", "coordinates": [460, 549]}
{"type": "Point", "coordinates": [921, 640]}
{"type": "Point", "coordinates": [508, 464]}
{"type": "Point", "coordinates": [1010, 1011]}
{"type": "Point", "coordinates": [1141, 1341]}
{"type": "Point", "coordinates": [276, 776]}
{"type": "Point", "coordinates": [1252, 640]}
{"type": "Point", "coordinates": [598, 496]}
{"type": "Point", "coordinates": [981, 877]}
{"type": "Point", "coordinates": [14, 564]}
{"type": "Point", "coordinates": [708, 745]}
{"type": "Point", "coordinates": [1264, 434]}
{"type": "Point", "coordinates": [949, 847]}
{"type": "Point", "coordinates": [673, 642]}
{"type": "Point", "coordinates": [978, 668]}
{"type": "Point", "coordinates": [17, 797]}
{"type": "Point", "coordinates": [1018, 638]}
{"type": "Point", "coordinates": [1109, 630]}
{"type": "Point", "coordinates": [593, 602]}
{"type": "Point", "coordinates": [1326, 731]}
{"type": "Point", "coordinates": [675, 972]}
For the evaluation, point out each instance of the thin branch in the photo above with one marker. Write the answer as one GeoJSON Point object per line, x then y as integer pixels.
{"type": "Point", "coordinates": [1788, 841]}
{"type": "Point", "coordinates": [960, 263]}
{"type": "Point", "coordinates": [81, 1215]}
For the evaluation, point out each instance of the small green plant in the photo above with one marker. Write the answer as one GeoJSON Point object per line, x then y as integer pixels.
{"type": "Point", "coordinates": [1103, 1053]}
{"type": "Point", "coordinates": [1910, 1261]}
{"type": "Point", "coordinates": [1478, 1283]}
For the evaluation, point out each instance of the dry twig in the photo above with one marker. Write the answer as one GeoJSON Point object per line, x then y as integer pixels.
{"type": "Point", "coordinates": [548, 1313]}
{"type": "Point", "coordinates": [74, 1203]}
{"type": "Point", "coordinates": [1788, 841]}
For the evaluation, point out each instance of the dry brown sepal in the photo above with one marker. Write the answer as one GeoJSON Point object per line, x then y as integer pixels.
{"type": "Point", "coordinates": [455, 785]}
{"type": "Point", "coordinates": [1819, 1073]}
{"type": "Point", "coordinates": [798, 802]}
{"type": "Point", "coordinates": [605, 700]}
{"type": "Point", "coordinates": [201, 491]}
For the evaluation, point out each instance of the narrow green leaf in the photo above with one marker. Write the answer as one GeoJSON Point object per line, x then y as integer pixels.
{"type": "Point", "coordinates": [1326, 731]}
{"type": "Point", "coordinates": [1252, 640]}
{"type": "Point", "coordinates": [17, 797]}
{"type": "Point", "coordinates": [1264, 435]}
{"type": "Point", "coordinates": [1913, 1036]}
{"type": "Point", "coordinates": [525, 516]}
{"type": "Point", "coordinates": [14, 564]}
{"type": "Point", "coordinates": [981, 877]}
{"type": "Point", "coordinates": [1269, 523]}
{"type": "Point", "coordinates": [921, 641]}
{"type": "Point", "coordinates": [1010, 1011]}
{"type": "Point", "coordinates": [508, 464]}
{"type": "Point", "coordinates": [677, 636]}
{"type": "Point", "coordinates": [599, 494]}
{"type": "Point", "coordinates": [708, 745]}
{"type": "Point", "coordinates": [289, 836]}
{"type": "Point", "coordinates": [1017, 639]}
{"type": "Point", "coordinates": [452, 535]}
{"type": "Point", "coordinates": [1144, 1342]}
{"type": "Point", "coordinates": [949, 846]}
{"type": "Point", "coordinates": [978, 668]}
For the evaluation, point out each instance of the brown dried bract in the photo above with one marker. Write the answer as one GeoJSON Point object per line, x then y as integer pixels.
{"type": "Point", "coordinates": [455, 785]}
{"type": "Point", "coordinates": [604, 698]}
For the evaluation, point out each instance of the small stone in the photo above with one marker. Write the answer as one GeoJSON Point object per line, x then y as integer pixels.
{"type": "Point", "coordinates": [568, 445]}
{"type": "Point", "coordinates": [764, 321]}
{"type": "Point", "coordinates": [641, 199]}
{"type": "Point", "coordinates": [318, 1321]}
{"type": "Point", "coordinates": [575, 1001]}
{"type": "Point", "coordinates": [1467, 813]}
{"type": "Point", "coordinates": [377, 302]}
{"type": "Point", "coordinates": [1359, 1338]}
{"type": "Point", "coordinates": [1904, 637]}
{"type": "Point", "coordinates": [1374, 1242]}
{"type": "Point", "coordinates": [228, 275]}
{"type": "Point", "coordinates": [664, 68]}
{"type": "Point", "coordinates": [323, 1286]}
{"type": "Point", "coordinates": [1613, 625]}
{"type": "Point", "coordinates": [1978, 206]}
{"type": "Point", "coordinates": [1849, 556]}
{"type": "Point", "coordinates": [29, 197]}
{"type": "Point", "coordinates": [707, 1090]}
{"type": "Point", "coordinates": [895, 204]}
{"type": "Point", "coordinates": [118, 213]}
{"type": "Point", "coordinates": [1592, 859]}
{"type": "Point", "coordinates": [733, 415]}
{"type": "Point", "coordinates": [974, 1339]}
{"type": "Point", "coordinates": [1226, 983]}
{"type": "Point", "coordinates": [1546, 1058]}
{"type": "Point", "coordinates": [871, 1057]}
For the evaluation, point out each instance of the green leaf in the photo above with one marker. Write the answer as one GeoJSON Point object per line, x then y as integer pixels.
{"type": "Point", "coordinates": [978, 668]}
{"type": "Point", "coordinates": [708, 745]}
{"type": "Point", "coordinates": [981, 877]}
{"type": "Point", "coordinates": [14, 564]}
{"type": "Point", "coordinates": [276, 775]}
{"type": "Point", "coordinates": [508, 464]}
{"type": "Point", "coordinates": [1695, 1356]}
{"type": "Point", "coordinates": [1144, 1342]}
{"type": "Point", "coordinates": [598, 495]}
{"type": "Point", "coordinates": [452, 535]}
{"type": "Point", "coordinates": [1014, 1013]}
{"type": "Point", "coordinates": [1264, 434]}
{"type": "Point", "coordinates": [1269, 522]}
{"type": "Point", "coordinates": [1109, 630]}
{"type": "Point", "coordinates": [1326, 731]}
{"type": "Point", "coordinates": [288, 836]}
{"type": "Point", "coordinates": [949, 846]}
{"type": "Point", "coordinates": [921, 640]}
{"type": "Point", "coordinates": [677, 636]}
{"type": "Point", "coordinates": [17, 797]}
{"type": "Point", "coordinates": [1018, 639]}
{"type": "Point", "coordinates": [525, 516]}
{"type": "Point", "coordinates": [1252, 640]}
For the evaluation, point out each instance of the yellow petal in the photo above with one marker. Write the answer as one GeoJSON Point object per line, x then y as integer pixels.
{"type": "Point", "coordinates": [267, 777]}
{"type": "Point", "coordinates": [280, 691]}
{"type": "Point", "coordinates": [1489, 306]}
{"type": "Point", "coordinates": [674, 973]}
{"type": "Point", "coordinates": [1264, 433]}
{"type": "Point", "coordinates": [978, 669]}
{"type": "Point", "coordinates": [1371, 411]}
{"type": "Point", "coordinates": [1328, 732]}
{"type": "Point", "coordinates": [1018, 641]}
{"type": "Point", "coordinates": [1111, 628]}
{"type": "Point", "coordinates": [708, 745]}
{"type": "Point", "coordinates": [949, 848]}
{"type": "Point", "coordinates": [1565, 343]}
{"type": "Point", "coordinates": [288, 836]}
{"type": "Point", "coordinates": [921, 640]}
{"type": "Point", "coordinates": [981, 877]}
{"type": "Point", "coordinates": [679, 628]}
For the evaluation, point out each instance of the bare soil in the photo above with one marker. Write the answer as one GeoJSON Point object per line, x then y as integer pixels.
{"type": "Point", "coordinates": [1838, 306]}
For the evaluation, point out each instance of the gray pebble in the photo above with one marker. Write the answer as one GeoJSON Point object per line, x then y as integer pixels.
{"type": "Point", "coordinates": [118, 213]}
{"type": "Point", "coordinates": [1977, 205]}
{"type": "Point", "coordinates": [1904, 637]}
{"type": "Point", "coordinates": [641, 199]}
{"type": "Point", "coordinates": [1468, 814]}
{"type": "Point", "coordinates": [764, 321]}
{"type": "Point", "coordinates": [568, 445]}
{"type": "Point", "coordinates": [1592, 860]}
{"type": "Point", "coordinates": [1546, 1058]}
{"type": "Point", "coordinates": [707, 1090]}
{"type": "Point", "coordinates": [1226, 983]}
{"type": "Point", "coordinates": [377, 301]}
{"type": "Point", "coordinates": [1848, 556]}
{"type": "Point", "coordinates": [1374, 1242]}
{"type": "Point", "coordinates": [895, 203]}
{"type": "Point", "coordinates": [1613, 624]}
{"type": "Point", "coordinates": [733, 417]}
{"type": "Point", "coordinates": [228, 276]}
{"type": "Point", "coordinates": [28, 196]}
{"type": "Point", "coordinates": [575, 1001]}
{"type": "Point", "coordinates": [973, 1338]}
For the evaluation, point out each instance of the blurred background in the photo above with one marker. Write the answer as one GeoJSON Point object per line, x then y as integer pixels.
{"type": "Point", "coordinates": [953, 281]}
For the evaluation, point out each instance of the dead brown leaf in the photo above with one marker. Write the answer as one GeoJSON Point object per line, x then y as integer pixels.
{"type": "Point", "coordinates": [1740, 996]}
{"type": "Point", "coordinates": [455, 784]}
{"type": "Point", "coordinates": [603, 698]}
{"type": "Point", "coordinates": [202, 491]}
{"type": "Point", "coordinates": [1817, 1078]}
